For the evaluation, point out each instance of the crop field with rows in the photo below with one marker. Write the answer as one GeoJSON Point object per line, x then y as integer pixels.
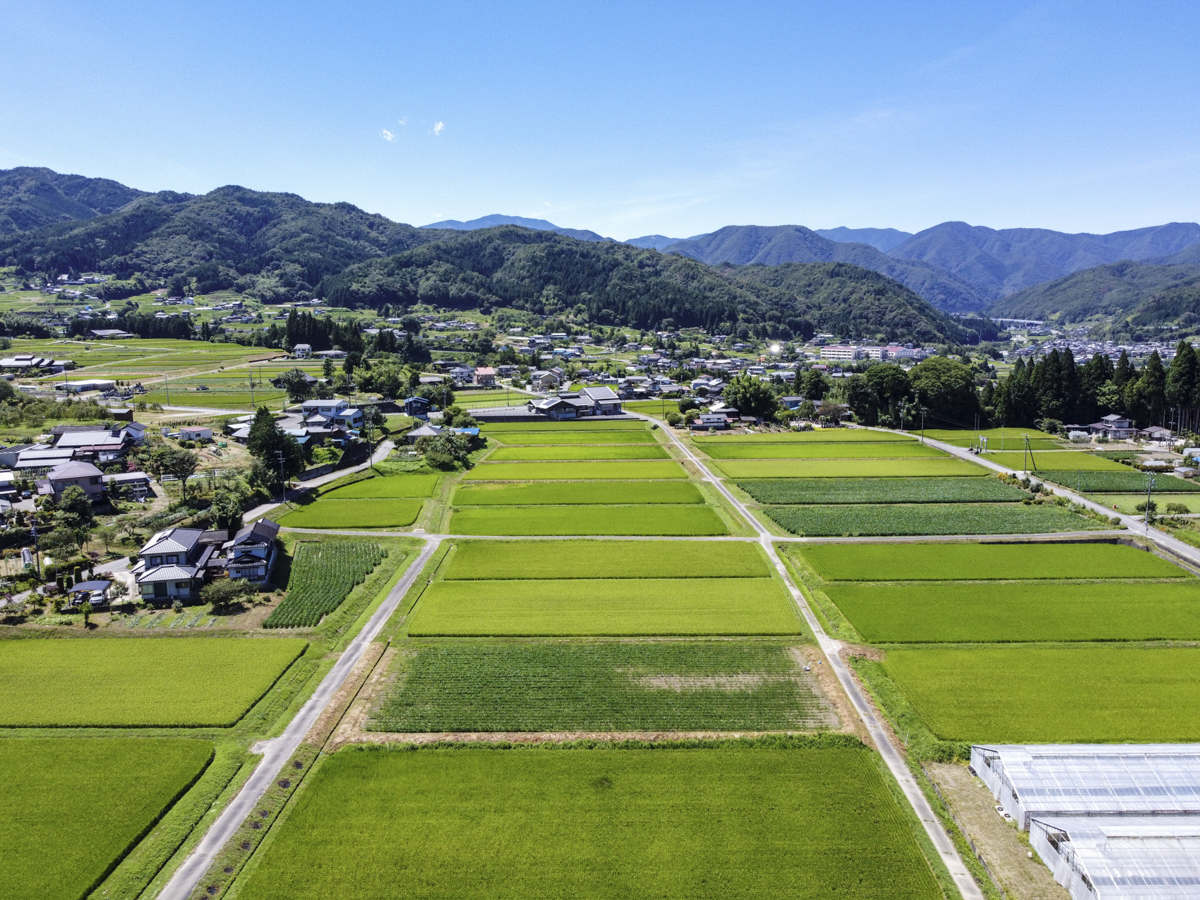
{"type": "Point", "coordinates": [602, 686]}
{"type": "Point", "coordinates": [1126, 480]}
{"type": "Point", "coordinates": [331, 513]}
{"type": "Point", "coordinates": [581, 451]}
{"type": "Point", "coordinates": [554, 438]}
{"type": "Point", "coordinates": [1040, 694]}
{"type": "Point", "coordinates": [819, 435]}
{"type": "Point", "coordinates": [386, 486]}
{"type": "Point", "coordinates": [983, 562]}
{"type": "Point", "coordinates": [824, 450]}
{"type": "Point", "coordinates": [882, 490]}
{"type": "Point", "coordinates": [578, 471]}
{"type": "Point", "coordinates": [1056, 461]}
{"type": "Point", "coordinates": [323, 575]}
{"type": "Point", "coordinates": [650, 520]}
{"type": "Point", "coordinates": [501, 560]}
{"type": "Point", "coordinates": [73, 807]}
{"type": "Point", "coordinates": [934, 612]}
{"type": "Point", "coordinates": [597, 824]}
{"type": "Point", "coordinates": [137, 682]}
{"type": "Point", "coordinates": [846, 468]}
{"type": "Point", "coordinates": [683, 606]}
{"type": "Point", "coordinates": [930, 518]}
{"type": "Point", "coordinates": [577, 493]}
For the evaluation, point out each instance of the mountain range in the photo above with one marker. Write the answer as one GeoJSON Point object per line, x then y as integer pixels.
{"type": "Point", "coordinates": [536, 224]}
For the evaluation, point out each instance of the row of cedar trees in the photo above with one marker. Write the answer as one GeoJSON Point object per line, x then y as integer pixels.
{"type": "Point", "coordinates": [1056, 387]}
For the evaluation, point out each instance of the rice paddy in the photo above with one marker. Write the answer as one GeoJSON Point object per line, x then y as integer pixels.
{"type": "Point", "coordinates": [823, 450]}
{"type": "Point", "coordinates": [572, 452]}
{"type": "Point", "coordinates": [579, 471]}
{"type": "Point", "coordinates": [552, 438]}
{"type": "Point", "coordinates": [583, 493]}
{"type": "Point", "coordinates": [930, 519]}
{"type": "Point", "coordinates": [392, 486]}
{"type": "Point", "coordinates": [882, 490]}
{"type": "Point", "coordinates": [680, 521]}
{"type": "Point", "coordinates": [739, 469]}
{"type": "Point", "coordinates": [1055, 461]}
{"type": "Point", "coordinates": [333, 513]}
{"type": "Point", "coordinates": [500, 560]}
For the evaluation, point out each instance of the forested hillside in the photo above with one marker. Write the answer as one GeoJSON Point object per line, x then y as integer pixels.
{"type": "Point", "coordinates": [33, 198]}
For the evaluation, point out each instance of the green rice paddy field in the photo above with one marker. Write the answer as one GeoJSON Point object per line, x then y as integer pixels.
{"type": "Point", "coordinates": [649, 519]}
{"type": "Point", "coordinates": [983, 562]}
{"type": "Point", "coordinates": [602, 686]}
{"type": "Point", "coordinates": [571, 452]}
{"type": "Point", "coordinates": [882, 490]}
{"type": "Point", "coordinates": [663, 606]}
{"type": "Point", "coordinates": [576, 427]}
{"type": "Point", "coordinates": [819, 435]}
{"type": "Point", "coordinates": [826, 450]}
{"type": "Point", "coordinates": [334, 513]}
{"type": "Point", "coordinates": [73, 807]}
{"type": "Point", "coordinates": [392, 486]}
{"type": "Point", "coordinates": [579, 471]}
{"type": "Point", "coordinates": [500, 560]}
{"type": "Point", "coordinates": [846, 468]}
{"type": "Point", "coordinates": [997, 438]}
{"type": "Point", "coordinates": [578, 493]}
{"type": "Point", "coordinates": [127, 682]}
{"type": "Point", "coordinates": [929, 518]}
{"type": "Point", "coordinates": [956, 612]}
{"type": "Point", "coordinates": [1058, 461]}
{"type": "Point", "coordinates": [1036, 694]}
{"type": "Point", "coordinates": [595, 824]}
{"type": "Point", "coordinates": [555, 438]}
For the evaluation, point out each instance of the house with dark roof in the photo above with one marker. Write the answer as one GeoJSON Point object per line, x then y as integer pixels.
{"type": "Point", "coordinates": [252, 552]}
{"type": "Point", "coordinates": [77, 474]}
{"type": "Point", "coordinates": [174, 564]}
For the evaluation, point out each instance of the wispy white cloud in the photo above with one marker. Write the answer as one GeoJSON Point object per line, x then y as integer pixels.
{"type": "Point", "coordinates": [404, 121]}
{"type": "Point", "coordinates": [387, 135]}
{"type": "Point", "coordinates": [439, 127]}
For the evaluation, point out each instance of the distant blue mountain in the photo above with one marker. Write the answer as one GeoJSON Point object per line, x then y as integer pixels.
{"type": "Point", "coordinates": [653, 242]}
{"type": "Point", "coordinates": [882, 239]}
{"type": "Point", "coordinates": [536, 224]}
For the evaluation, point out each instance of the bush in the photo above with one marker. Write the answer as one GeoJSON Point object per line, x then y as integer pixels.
{"type": "Point", "coordinates": [674, 419]}
{"type": "Point", "coordinates": [1177, 509]}
{"type": "Point", "coordinates": [226, 592]}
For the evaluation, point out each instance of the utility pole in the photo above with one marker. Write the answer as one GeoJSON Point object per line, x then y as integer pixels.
{"type": "Point", "coordinates": [1028, 454]}
{"type": "Point", "coordinates": [37, 560]}
{"type": "Point", "coordinates": [282, 479]}
{"type": "Point", "coordinates": [167, 382]}
{"type": "Point", "coordinates": [903, 411]}
{"type": "Point", "coordinates": [923, 411]}
{"type": "Point", "coordinates": [1149, 489]}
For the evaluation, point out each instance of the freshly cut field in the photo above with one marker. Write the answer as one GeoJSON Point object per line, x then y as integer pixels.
{"type": "Point", "coordinates": [501, 560]}
{"type": "Point", "coordinates": [599, 451]}
{"type": "Point", "coordinates": [882, 490]}
{"type": "Point", "coordinates": [929, 518]}
{"type": "Point", "coordinates": [672, 824]}
{"type": "Point", "coordinates": [824, 450]}
{"type": "Point", "coordinates": [672, 521]}
{"type": "Point", "coordinates": [846, 468]}
{"type": "Point", "coordinates": [630, 424]}
{"type": "Point", "coordinates": [819, 435]}
{"type": "Point", "coordinates": [1125, 481]}
{"type": "Point", "coordinates": [578, 471]}
{"type": "Point", "coordinates": [605, 607]}
{"type": "Point", "coordinates": [1056, 461]}
{"type": "Point", "coordinates": [608, 686]}
{"type": "Point", "coordinates": [323, 575]}
{"type": "Point", "coordinates": [1128, 503]}
{"type": "Point", "coordinates": [997, 438]}
{"type": "Point", "coordinates": [71, 682]}
{"type": "Point", "coordinates": [73, 807]}
{"type": "Point", "coordinates": [1022, 694]}
{"type": "Point", "coordinates": [591, 436]}
{"type": "Point", "coordinates": [325, 513]}
{"type": "Point", "coordinates": [387, 486]}
{"type": "Point", "coordinates": [577, 493]}
{"type": "Point", "coordinates": [948, 612]}
{"type": "Point", "coordinates": [984, 562]}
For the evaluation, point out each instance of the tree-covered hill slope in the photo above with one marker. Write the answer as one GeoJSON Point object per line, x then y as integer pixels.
{"type": "Point", "coordinates": [33, 198]}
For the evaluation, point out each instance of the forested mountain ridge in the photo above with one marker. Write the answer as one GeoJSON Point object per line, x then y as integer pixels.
{"type": "Point", "coordinates": [882, 239]}
{"type": "Point", "coordinates": [492, 221]}
{"type": "Point", "coordinates": [33, 198]}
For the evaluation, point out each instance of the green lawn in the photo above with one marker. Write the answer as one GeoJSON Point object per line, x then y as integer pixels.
{"type": "Point", "coordinates": [741, 823]}
{"type": "Point", "coordinates": [824, 450]}
{"type": "Point", "coordinates": [331, 513]}
{"type": "Point", "coordinates": [605, 686]}
{"type": "Point", "coordinates": [123, 682]}
{"type": "Point", "coordinates": [73, 807]}
{"type": "Point", "coordinates": [577, 493]}
{"type": "Point", "coordinates": [391, 486]}
{"type": "Point", "coordinates": [950, 612]}
{"type": "Point", "coordinates": [1055, 461]}
{"type": "Point", "coordinates": [882, 490]}
{"type": "Point", "coordinates": [501, 560]}
{"type": "Point", "coordinates": [1082, 694]}
{"type": "Point", "coordinates": [672, 521]}
{"type": "Point", "coordinates": [576, 471]}
{"type": "Point", "coordinates": [554, 438]}
{"type": "Point", "coordinates": [570, 452]}
{"type": "Point", "coordinates": [845, 468]}
{"type": "Point", "coordinates": [929, 518]}
{"type": "Point", "coordinates": [605, 607]}
{"type": "Point", "coordinates": [980, 562]}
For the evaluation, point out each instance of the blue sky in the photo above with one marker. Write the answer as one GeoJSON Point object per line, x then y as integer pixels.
{"type": "Point", "coordinates": [627, 118]}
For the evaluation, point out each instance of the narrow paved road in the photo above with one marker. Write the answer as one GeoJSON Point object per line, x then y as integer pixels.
{"type": "Point", "coordinates": [380, 454]}
{"type": "Point", "coordinates": [891, 756]}
{"type": "Point", "coordinates": [278, 751]}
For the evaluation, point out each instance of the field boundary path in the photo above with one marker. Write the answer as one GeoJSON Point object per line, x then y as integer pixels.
{"type": "Point", "coordinates": [277, 751]}
{"type": "Point", "coordinates": [962, 876]}
{"type": "Point", "coordinates": [380, 454]}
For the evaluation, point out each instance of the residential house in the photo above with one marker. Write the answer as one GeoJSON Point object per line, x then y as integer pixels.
{"type": "Point", "coordinates": [302, 351]}
{"type": "Point", "coordinates": [111, 333]}
{"type": "Point", "coordinates": [77, 474]}
{"type": "Point", "coordinates": [327, 408]}
{"type": "Point", "coordinates": [101, 445]}
{"type": "Point", "coordinates": [251, 554]}
{"type": "Point", "coordinates": [195, 433]}
{"type": "Point", "coordinates": [604, 400]}
{"type": "Point", "coordinates": [173, 565]}
{"type": "Point", "coordinates": [485, 376]}
{"type": "Point", "coordinates": [1114, 427]}
{"type": "Point", "coordinates": [135, 484]}
{"type": "Point", "coordinates": [791, 402]}
{"type": "Point", "coordinates": [417, 407]}
{"type": "Point", "coordinates": [544, 380]}
{"type": "Point", "coordinates": [710, 420]}
{"type": "Point", "coordinates": [349, 418]}
{"type": "Point", "coordinates": [41, 458]}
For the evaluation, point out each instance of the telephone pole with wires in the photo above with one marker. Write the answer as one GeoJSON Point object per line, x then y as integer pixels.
{"type": "Point", "coordinates": [282, 479]}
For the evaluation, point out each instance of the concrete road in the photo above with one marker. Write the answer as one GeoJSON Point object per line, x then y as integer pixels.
{"type": "Point", "coordinates": [380, 454]}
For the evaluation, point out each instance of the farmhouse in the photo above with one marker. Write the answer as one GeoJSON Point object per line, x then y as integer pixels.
{"type": "Point", "coordinates": [77, 474]}
{"type": "Point", "coordinates": [173, 565]}
{"type": "Point", "coordinates": [302, 351]}
{"type": "Point", "coordinates": [1115, 427]}
{"type": "Point", "coordinates": [252, 552]}
{"type": "Point", "coordinates": [417, 407]}
{"type": "Point", "coordinates": [485, 376]}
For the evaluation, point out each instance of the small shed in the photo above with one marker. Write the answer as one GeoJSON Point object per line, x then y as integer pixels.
{"type": "Point", "coordinates": [93, 592]}
{"type": "Point", "coordinates": [195, 433]}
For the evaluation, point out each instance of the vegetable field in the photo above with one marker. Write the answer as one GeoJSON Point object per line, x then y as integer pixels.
{"type": "Point", "coordinates": [683, 606]}
{"type": "Point", "coordinates": [323, 575]}
{"type": "Point", "coordinates": [823, 450]}
{"type": "Point", "coordinates": [596, 824]}
{"type": "Point", "coordinates": [601, 520]}
{"type": "Point", "coordinates": [882, 490]}
{"type": "Point", "coordinates": [606, 686]}
{"type": "Point", "coordinates": [846, 468]}
{"type": "Point", "coordinates": [329, 513]}
{"type": "Point", "coordinates": [578, 471]}
{"type": "Point", "coordinates": [502, 560]}
{"type": "Point", "coordinates": [1126, 480]}
{"type": "Point", "coordinates": [930, 518]}
{"type": "Point", "coordinates": [138, 682]}
{"type": "Point", "coordinates": [980, 562]}
{"type": "Point", "coordinates": [581, 451]}
{"type": "Point", "coordinates": [577, 493]}
{"type": "Point", "coordinates": [73, 807]}
{"type": "Point", "coordinates": [388, 486]}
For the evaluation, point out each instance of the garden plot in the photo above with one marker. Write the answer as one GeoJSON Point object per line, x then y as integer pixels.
{"type": "Point", "coordinates": [604, 686]}
{"type": "Point", "coordinates": [596, 824]}
{"type": "Point", "coordinates": [572, 452]}
{"type": "Point", "coordinates": [1038, 694]}
{"type": "Point", "coordinates": [949, 612]}
{"type": "Point", "coordinates": [577, 471]}
{"type": "Point", "coordinates": [331, 513]}
{"type": "Point", "coordinates": [930, 518]}
{"type": "Point", "coordinates": [501, 560]}
{"type": "Point", "coordinates": [682, 606]}
{"type": "Point", "coordinates": [882, 490]}
{"type": "Point", "coordinates": [578, 493]}
{"type": "Point", "coordinates": [649, 520]}
{"type": "Point", "coordinates": [389, 486]}
{"type": "Point", "coordinates": [983, 562]}
{"type": "Point", "coordinates": [824, 450]}
{"type": "Point", "coordinates": [138, 682]}
{"type": "Point", "coordinates": [73, 807]}
{"type": "Point", "coordinates": [554, 438]}
{"type": "Point", "coordinates": [846, 468]}
{"type": "Point", "coordinates": [1055, 461]}
{"type": "Point", "coordinates": [323, 575]}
